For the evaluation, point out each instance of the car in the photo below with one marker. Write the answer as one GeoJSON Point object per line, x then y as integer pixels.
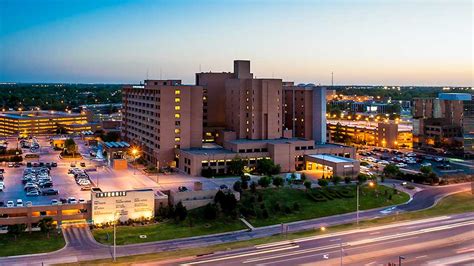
{"type": "Point", "coordinates": [29, 204]}
{"type": "Point", "coordinates": [409, 161]}
{"type": "Point", "coordinates": [383, 162]}
{"type": "Point", "coordinates": [83, 164]}
{"type": "Point", "coordinates": [401, 165]}
{"type": "Point", "coordinates": [10, 204]}
{"type": "Point", "coordinates": [2, 187]}
{"type": "Point", "coordinates": [426, 164]}
{"type": "Point", "coordinates": [33, 192]}
{"type": "Point", "coordinates": [17, 164]}
{"type": "Point", "coordinates": [429, 158]}
{"type": "Point", "coordinates": [11, 165]}
{"type": "Point", "coordinates": [54, 202]}
{"type": "Point", "coordinates": [82, 201]}
{"type": "Point", "coordinates": [28, 164]}
{"type": "Point", "coordinates": [86, 188]}
{"type": "Point", "coordinates": [19, 203]}
{"type": "Point", "coordinates": [50, 191]}
{"type": "Point", "coordinates": [63, 200]}
{"type": "Point", "coordinates": [73, 164]}
{"type": "Point", "coordinates": [411, 154]}
{"type": "Point", "coordinates": [439, 159]}
{"type": "Point", "coordinates": [54, 164]}
{"type": "Point", "coordinates": [47, 184]}
{"type": "Point", "coordinates": [223, 186]}
{"type": "Point", "coordinates": [2, 204]}
{"type": "Point", "coordinates": [71, 200]}
{"type": "Point", "coordinates": [30, 186]}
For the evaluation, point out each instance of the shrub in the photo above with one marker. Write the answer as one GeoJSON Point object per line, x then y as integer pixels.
{"type": "Point", "coordinates": [278, 181]}
{"type": "Point", "coordinates": [336, 179]}
{"type": "Point", "coordinates": [260, 198]}
{"type": "Point", "coordinates": [276, 206]}
{"type": "Point", "coordinates": [347, 180]}
{"type": "Point", "coordinates": [238, 186]}
{"type": "Point", "coordinates": [244, 185]}
{"type": "Point", "coordinates": [210, 212]}
{"type": "Point", "coordinates": [265, 181]}
{"type": "Point", "coordinates": [180, 212]}
{"type": "Point", "coordinates": [307, 184]}
{"type": "Point", "coordinates": [253, 187]}
{"type": "Point", "coordinates": [322, 182]}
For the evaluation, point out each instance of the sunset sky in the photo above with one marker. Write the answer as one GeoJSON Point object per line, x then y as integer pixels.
{"type": "Point", "coordinates": [362, 42]}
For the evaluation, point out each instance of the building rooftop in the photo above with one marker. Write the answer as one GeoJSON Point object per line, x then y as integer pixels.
{"type": "Point", "coordinates": [455, 96]}
{"type": "Point", "coordinates": [36, 114]}
{"type": "Point", "coordinates": [208, 151]}
{"type": "Point", "coordinates": [117, 144]}
{"type": "Point", "coordinates": [332, 158]}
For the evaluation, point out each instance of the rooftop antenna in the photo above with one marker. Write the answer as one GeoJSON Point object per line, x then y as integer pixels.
{"type": "Point", "coordinates": [332, 79]}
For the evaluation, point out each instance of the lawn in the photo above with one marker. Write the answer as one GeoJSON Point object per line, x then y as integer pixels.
{"type": "Point", "coordinates": [284, 196]}
{"type": "Point", "coordinates": [308, 208]}
{"type": "Point", "coordinates": [27, 243]}
{"type": "Point", "coordinates": [168, 230]}
{"type": "Point", "coordinates": [458, 203]}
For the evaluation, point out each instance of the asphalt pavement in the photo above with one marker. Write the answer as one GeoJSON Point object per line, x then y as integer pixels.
{"type": "Point", "coordinates": [86, 248]}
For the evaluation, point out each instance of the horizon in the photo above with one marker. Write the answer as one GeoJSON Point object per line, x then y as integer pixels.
{"type": "Point", "coordinates": [366, 43]}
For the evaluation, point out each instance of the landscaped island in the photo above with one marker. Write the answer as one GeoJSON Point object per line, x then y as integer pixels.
{"type": "Point", "coordinates": [260, 207]}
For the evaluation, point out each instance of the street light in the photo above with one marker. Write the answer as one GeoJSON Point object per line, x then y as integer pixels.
{"type": "Point", "coordinates": [400, 258]}
{"type": "Point", "coordinates": [371, 184]}
{"type": "Point", "coordinates": [115, 236]}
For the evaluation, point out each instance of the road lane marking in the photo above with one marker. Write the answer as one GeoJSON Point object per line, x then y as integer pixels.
{"type": "Point", "coordinates": [374, 233]}
{"type": "Point", "coordinates": [281, 243]}
{"type": "Point", "coordinates": [241, 255]}
{"type": "Point", "coordinates": [336, 239]}
{"type": "Point", "coordinates": [298, 252]}
{"type": "Point", "coordinates": [464, 250]}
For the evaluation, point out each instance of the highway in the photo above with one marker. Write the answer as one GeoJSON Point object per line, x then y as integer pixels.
{"type": "Point", "coordinates": [435, 241]}
{"type": "Point", "coordinates": [81, 246]}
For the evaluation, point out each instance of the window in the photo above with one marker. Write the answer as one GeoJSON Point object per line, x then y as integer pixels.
{"type": "Point", "coordinates": [177, 115]}
{"type": "Point", "coordinates": [177, 139]}
{"type": "Point", "coordinates": [177, 108]}
{"type": "Point", "coordinates": [177, 100]}
{"type": "Point", "coordinates": [177, 130]}
{"type": "Point", "coordinates": [177, 92]}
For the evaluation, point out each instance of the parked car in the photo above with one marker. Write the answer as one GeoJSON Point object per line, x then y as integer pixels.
{"type": "Point", "coordinates": [63, 200]}
{"type": "Point", "coordinates": [71, 200]}
{"type": "Point", "coordinates": [33, 192]}
{"type": "Point", "coordinates": [19, 203]}
{"type": "Point", "coordinates": [54, 202]}
{"type": "Point", "coordinates": [29, 204]}
{"type": "Point", "coordinates": [50, 191]}
{"type": "Point", "coordinates": [47, 184]}
{"type": "Point", "coordinates": [73, 164]}
{"type": "Point", "coordinates": [439, 159]}
{"type": "Point", "coordinates": [83, 164]}
{"type": "Point", "coordinates": [10, 204]}
{"type": "Point", "coordinates": [10, 165]}
{"type": "Point", "coordinates": [401, 165]}
{"type": "Point", "coordinates": [29, 186]}
{"type": "Point", "coordinates": [82, 201]}
{"type": "Point", "coordinates": [54, 164]}
{"type": "Point", "coordinates": [2, 186]}
{"type": "Point", "coordinates": [426, 164]}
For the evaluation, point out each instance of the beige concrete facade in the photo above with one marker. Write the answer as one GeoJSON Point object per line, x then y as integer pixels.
{"type": "Point", "coordinates": [161, 116]}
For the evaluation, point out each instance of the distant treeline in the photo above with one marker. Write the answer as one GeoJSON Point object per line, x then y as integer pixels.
{"type": "Point", "coordinates": [404, 93]}
{"type": "Point", "coordinates": [57, 96]}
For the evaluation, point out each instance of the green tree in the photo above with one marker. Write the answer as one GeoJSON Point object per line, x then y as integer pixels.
{"type": "Point", "coordinates": [303, 177]}
{"type": "Point", "coordinates": [278, 181]}
{"type": "Point", "coordinates": [267, 167]}
{"type": "Point", "coordinates": [70, 146]}
{"type": "Point", "coordinates": [46, 225]}
{"type": "Point", "coordinates": [236, 166]}
{"type": "Point", "coordinates": [307, 184]}
{"type": "Point", "coordinates": [16, 230]}
{"type": "Point", "coordinates": [238, 186]}
{"type": "Point", "coordinates": [322, 182]}
{"type": "Point", "coordinates": [253, 187]}
{"type": "Point", "coordinates": [210, 212]}
{"type": "Point", "coordinates": [347, 180]}
{"type": "Point", "coordinates": [336, 179]}
{"type": "Point", "coordinates": [362, 178]}
{"type": "Point", "coordinates": [180, 212]}
{"type": "Point", "coordinates": [391, 171]}
{"type": "Point", "coordinates": [244, 185]}
{"type": "Point", "coordinates": [264, 181]}
{"type": "Point", "coordinates": [426, 170]}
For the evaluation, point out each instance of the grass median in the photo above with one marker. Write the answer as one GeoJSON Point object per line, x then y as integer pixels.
{"type": "Point", "coordinates": [262, 207]}
{"type": "Point", "coordinates": [26, 243]}
{"type": "Point", "coordinates": [454, 204]}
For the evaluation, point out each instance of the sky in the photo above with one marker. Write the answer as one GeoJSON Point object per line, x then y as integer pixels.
{"type": "Point", "coordinates": [363, 42]}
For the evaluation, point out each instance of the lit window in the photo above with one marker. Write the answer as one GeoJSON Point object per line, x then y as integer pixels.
{"type": "Point", "coordinates": [176, 130]}
{"type": "Point", "coordinates": [177, 100]}
{"type": "Point", "coordinates": [177, 92]}
{"type": "Point", "coordinates": [247, 130]}
{"type": "Point", "coordinates": [177, 107]}
{"type": "Point", "coordinates": [177, 139]}
{"type": "Point", "coordinates": [177, 116]}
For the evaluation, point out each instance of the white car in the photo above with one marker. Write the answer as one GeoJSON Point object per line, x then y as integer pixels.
{"type": "Point", "coordinates": [54, 202]}
{"type": "Point", "coordinates": [411, 154]}
{"type": "Point", "coordinates": [401, 165]}
{"type": "Point", "coordinates": [19, 203]}
{"type": "Point", "coordinates": [10, 204]}
{"type": "Point", "coordinates": [2, 186]}
{"type": "Point", "coordinates": [410, 161]}
{"type": "Point", "coordinates": [426, 164]}
{"type": "Point", "coordinates": [383, 162]}
{"type": "Point", "coordinates": [439, 159]}
{"type": "Point", "coordinates": [82, 201]}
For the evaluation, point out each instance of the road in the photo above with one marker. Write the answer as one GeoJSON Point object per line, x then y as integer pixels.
{"type": "Point", "coordinates": [432, 241]}
{"type": "Point", "coordinates": [85, 247]}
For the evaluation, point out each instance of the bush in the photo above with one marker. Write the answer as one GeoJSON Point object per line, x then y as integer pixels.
{"type": "Point", "coordinates": [180, 212]}
{"type": "Point", "coordinates": [253, 187]}
{"type": "Point", "coordinates": [336, 180]}
{"type": "Point", "coordinates": [264, 181]}
{"type": "Point", "coordinates": [210, 212]}
{"type": "Point", "coordinates": [244, 185]}
{"type": "Point", "coordinates": [322, 182]}
{"type": "Point", "coordinates": [347, 180]}
{"type": "Point", "coordinates": [278, 181]}
{"type": "Point", "coordinates": [307, 184]}
{"type": "Point", "coordinates": [237, 186]}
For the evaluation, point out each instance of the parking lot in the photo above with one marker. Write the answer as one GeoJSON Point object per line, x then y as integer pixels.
{"type": "Point", "coordinates": [99, 173]}
{"type": "Point", "coordinates": [412, 162]}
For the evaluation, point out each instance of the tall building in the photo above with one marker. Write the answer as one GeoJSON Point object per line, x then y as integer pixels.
{"type": "Point", "coordinates": [304, 111]}
{"type": "Point", "coordinates": [161, 116]}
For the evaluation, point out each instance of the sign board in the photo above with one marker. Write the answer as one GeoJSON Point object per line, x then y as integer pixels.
{"type": "Point", "coordinates": [122, 205]}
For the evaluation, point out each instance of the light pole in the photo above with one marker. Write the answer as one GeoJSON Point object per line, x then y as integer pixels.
{"type": "Point", "coordinates": [371, 184]}
{"type": "Point", "coordinates": [115, 237]}
{"type": "Point", "coordinates": [400, 258]}
{"type": "Point", "coordinates": [134, 153]}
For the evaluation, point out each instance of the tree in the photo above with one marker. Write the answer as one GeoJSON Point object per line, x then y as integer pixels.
{"type": "Point", "coordinates": [253, 187]}
{"type": "Point", "coordinates": [219, 197]}
{"type": "Point", "coordinates": [391, 171]}
{"type": "Point", "coordinates": [336, 179]}
{"type": "Point", "coordinates": [307, 184]}
{"type": "Point", "coordinates": [267, 167]}
{"type": "Point", "coordinates": [278, 181]}
{"type": "Point", "coordinates": [180, 212]}
{"type": "Point", "coordinates": [303, 177]}
{"type": "Point", "coordinates": [322, 182]}
{"type": "Point", "coordinates": [426, 170]}
{"type": "Point", "coordinates": [347, 180]}
{"type": "Point", "coordinates": [238, 186]}
{"type": "Point", "coordinates": [70, 146]}
{"type": "Point", "coordinates": [245, 185]}
{"type": "Point", "coordinates": [236, 166]}
{"type": "Point", "coordinates": [60, 129]}
{"type": "Point", "coordinates": [227, 201]}
{"type": "Point", "coordinates": [265, 181]}
{"type": "Point", "coordinates": [362, 178]}
{"type": "Point", "coordinates": [46, 225]}
{"type": "Point", "coordinates": [16, 229]}
{"type": "Point", "coordinates": [210, 212]}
